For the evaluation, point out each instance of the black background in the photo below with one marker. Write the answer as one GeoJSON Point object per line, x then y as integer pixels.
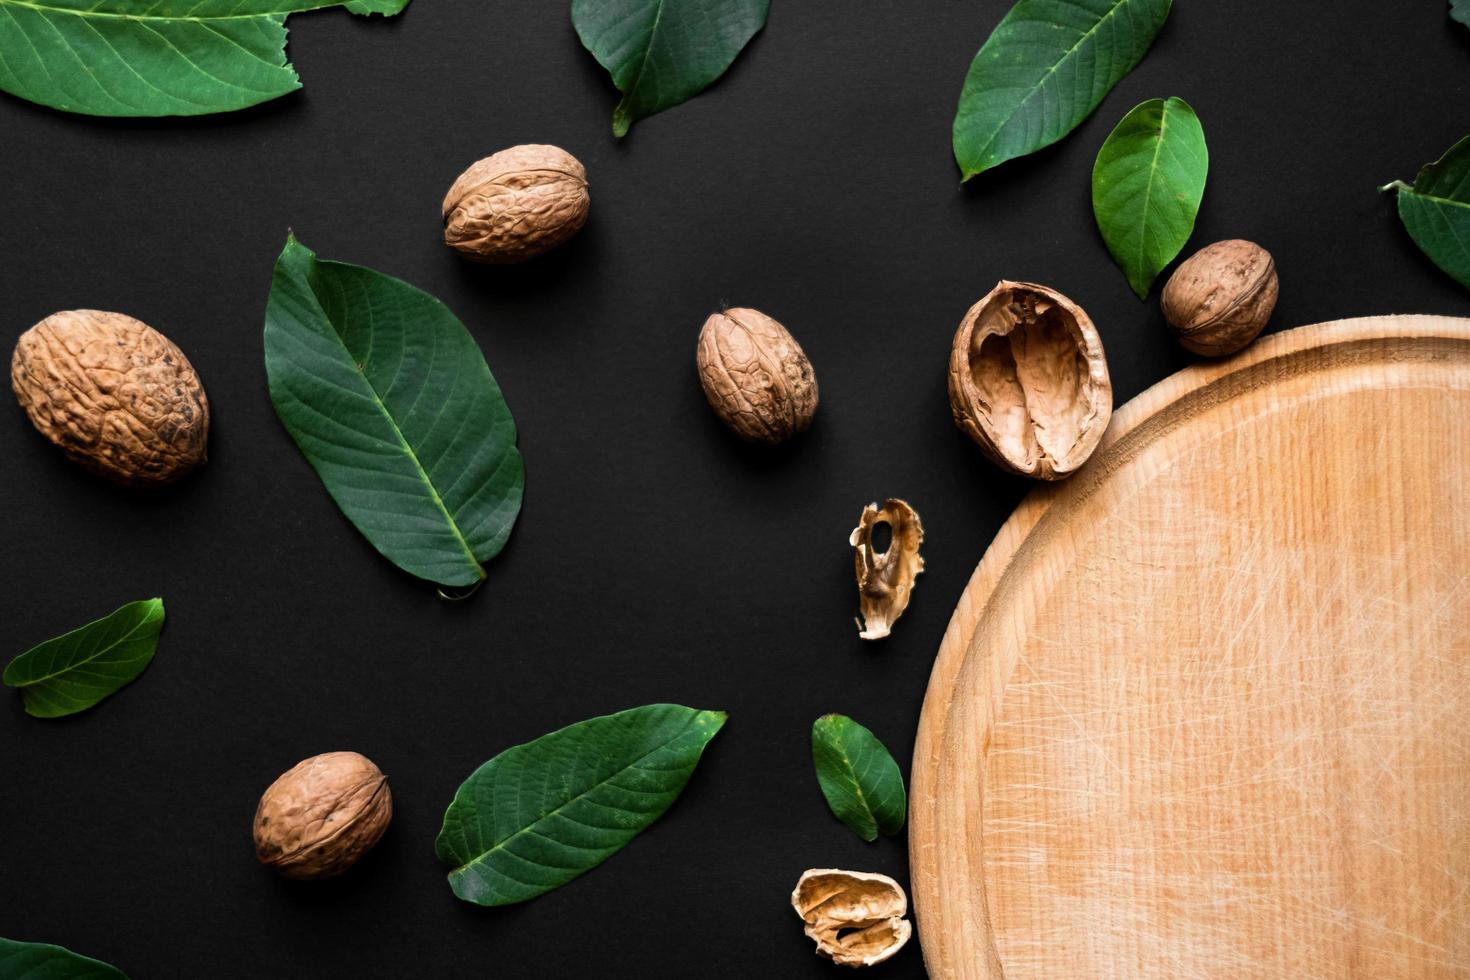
{"type": "Point", "coordinates": [656, 558]}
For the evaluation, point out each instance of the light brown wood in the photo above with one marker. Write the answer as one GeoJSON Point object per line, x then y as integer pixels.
{"type": "Point", "coordinates": [1204, 709]}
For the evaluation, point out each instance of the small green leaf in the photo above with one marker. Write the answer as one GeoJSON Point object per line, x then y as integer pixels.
{"type": "Point", "coordinates": [1460, 11]}
{"type": "Point", "coordinates": [42, 961]}
{"type": "Point", "coordinates": [663, 52]}
{"type": "Point", "coordinates": [540, 814]}
{"type": "Point", "coordinates": [389, 398]}
{"type": "Point", "coordinates": [76, 670]}
{"type": "Point", "coordinates": [1043, 70]}
{"type": "Point", "coordinates": [153, 57]}
{"type": "Point", "coordinates": [1436, 210]}
{"type": "Point", "coordinates": [860, 780]}
{"type": "Point", "coordinates": [1146, 187]}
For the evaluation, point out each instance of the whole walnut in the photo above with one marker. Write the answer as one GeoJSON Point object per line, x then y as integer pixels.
{"type": "Point", "coordinates": [1220, 298]}
{"type": "Point", "coordinates": [756, 376]}
{"type": "Point", "coordinates": [114, 394]}
{"type": "Point", "coordinates": [516, 204]}
{"type": "Point", "coordinates": [322, 815]}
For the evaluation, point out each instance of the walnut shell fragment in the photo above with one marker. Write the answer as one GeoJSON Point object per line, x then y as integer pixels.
{"type": "Point", "coordinates": [323, 814]}
{"type": "Point", "coordinates": [1220, 298]}
{"type": "Point", "coordinates": [115, 395]}
{"type": "Point", "coordinates": [856, 918]}
{"type": "Point", "coordinates": [885, 579]}
{"type": "Point", "coordinates": [756, 376]}
{"type": "Point", "coordinates": [516, 204]}
{"type": "Point", "coordinates": [1028, 380]}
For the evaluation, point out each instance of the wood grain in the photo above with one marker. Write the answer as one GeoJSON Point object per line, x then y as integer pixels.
{"type": "Point", "coordinates": [1204, 709]}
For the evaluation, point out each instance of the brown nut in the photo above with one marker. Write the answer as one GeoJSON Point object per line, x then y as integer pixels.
{"type": "Point", "coordinates": [1028, 380]}
{"type": "Point", "coordinates": [516, 204]}
{"type": "Point", "coordinates": [1220, 298]}
{"type": "Point", "coordinates": [855, 918]}
{"type": "Point", "coordinates": [756, 376]}
{"type": "Point", "coordinates": [114, 394]}
{"type": "Point", "coordinates": [322, 815]}
{"type": "Point", "coordinates": [886, 578]}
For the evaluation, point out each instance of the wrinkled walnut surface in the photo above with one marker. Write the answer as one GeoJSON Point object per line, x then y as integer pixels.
{"type": "Point", "coordinates": [114, 394]}
{"type": "Point", "coordinates": [885, 579]}
{"type": "Point", "coordinates": [1028, 381]}
{"type": "Point", "coordinates": [1220, 298]}
{"type": "Point", "coordinates": [756, 376]}
{"type": "Point", "coordinates": [323, 814]}
{"type": "Point", "coordinates": [516, 204]}
{"type": "Point", "coordinates": [856, 918]}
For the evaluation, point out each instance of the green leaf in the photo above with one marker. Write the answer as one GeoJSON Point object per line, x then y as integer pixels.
{"type": "Point", "coordinates": [387, 395]}
{"type": "Point", "coordinates": [42, 961]}
{"type": "Point", "coordinates": [1044, 69]}
{"type": "Point", "coordinates": [1436, 210]}
{"type": "Point", "coordinates": [1460, 11]}
{"type": "Point", "coordinates": [663, 52]}
{"type": "Point", "coordinates": [860, 780]}
{"type": "Point", "coordinates": [540, 814]}
{"type": "Point", "coordinates": [153, 57]}
{"type": "Point", "coordinates": [1146, 187]}
{"type": "Point", "coordinates": [76, 670]}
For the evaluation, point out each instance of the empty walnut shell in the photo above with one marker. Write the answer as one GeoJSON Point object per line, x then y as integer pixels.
{"type": "Point", "coordinates": [322, 815]}
{"type": "Point", "coordinates": [885, 579]}
{"type": "Point", "coordinates": [1220, 298]}
{"type": "Point", "coordinates": [516, 204]}
{"type": "Point", "coordinates": [114, 394]}
{"type": "Point", "coordinates": [1028, 380]}
{"type": "Point", "coordinates": [756, 376]}
{"type": "Point", "coordinates": [856, 918]}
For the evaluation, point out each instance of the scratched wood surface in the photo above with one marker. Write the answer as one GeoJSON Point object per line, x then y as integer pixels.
{"type": "Point", "coordinates": [1204, 709]}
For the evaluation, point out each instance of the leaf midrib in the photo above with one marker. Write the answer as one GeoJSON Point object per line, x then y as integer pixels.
{"type": "Point", "coordinates": [44, 9]}
{"type": "Point", "coordinates": [1148, 190]}
{"type": "Point", "coordinates": [147, 618]}
{"type": "Point", "coordinates": [1050, 71]}
{"type": "Point", "coordinates": [504, 842]}
{"type": "Point", "coordinates": [1435, 198]}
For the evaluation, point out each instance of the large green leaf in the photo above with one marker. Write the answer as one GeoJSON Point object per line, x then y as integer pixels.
{"type": "Point", "coordinates": [387, 395]}
{"type": "Point", "coordinates": [663, 52]}
{"type": "Point", "coordinates": [76, 670]}
{"type": "Point", "coordinates": [1146, 187]}
{"type": "Point", "coordinates": [1044, 69]}
{"type": "Point", "coordinates": [860, 780]}
{"type": "Point", "coordinates": [153, 57]}
{"type": "Point", "coordinates": [1460, 11]}
{"type": "Point", "coordinates": [1436, 210]}
{"type": "Point", "coordinates": [540, 814]}
{"type": "Point", "coordinates": [42, 961]}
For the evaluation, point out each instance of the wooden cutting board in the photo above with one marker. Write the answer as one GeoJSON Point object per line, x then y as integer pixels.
{"type": "Point", "coordinates": [1204, 709]}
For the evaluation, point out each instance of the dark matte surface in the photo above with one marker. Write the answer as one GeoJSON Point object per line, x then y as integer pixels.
{"type": "Point", "coordinates": [656, 559]}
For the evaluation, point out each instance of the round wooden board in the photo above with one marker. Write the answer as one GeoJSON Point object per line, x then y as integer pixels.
{"type": "Point", "coordinates": [1204, 709]}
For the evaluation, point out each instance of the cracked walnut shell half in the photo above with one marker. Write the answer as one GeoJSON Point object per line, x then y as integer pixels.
{"type": "Point", "coordinates": [1028, 381]}
{"type": "Point", "coordinates": [756, 376]}
{"type": "Point", "coordinates": [516, 204]}
{"type": "Point", "coordinates": [856, 918]}
{"type": "Point", "coordinates": [115, 395]}
{"type": "Point", "coordinates": [885, 578]}
{"type": "Point", "coordinates": [323, 814]}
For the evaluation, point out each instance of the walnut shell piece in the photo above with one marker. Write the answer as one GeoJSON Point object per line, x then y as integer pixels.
{"type": "Point", "coordinates": [856, 918]}
{"type": "Point", "coordinates": [885, 579]}
{"type": "Point", "coordinates": [516, 204]}
{"type": "Point", "coordinates": [756, 376]}
{"type": "Point", "coordinates": [1028, 381]}
{"type": "Point", "coordinates": [321, 815]}
{"type": "Point", "coordinates": [1220, 298]}
{"type": "Point", "coordinates": [115, 395]}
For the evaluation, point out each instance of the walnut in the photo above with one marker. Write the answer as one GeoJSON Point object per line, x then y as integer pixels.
{"type": "Point", "coordinates": [886, 578]}
{"type": "Point", "coordinates": [322, 815]}
{"type": "Point", "coordinates": [516, 204]}
{"type": "Point", "coordinates": [1028, 380]}
{"type": "Point", "coordinates": [756, 376]}
{"type": "Point", "coordinates": [855, 918]}
{"type": "Point", "coordinates": [1220, 298]}
{"type": "Point", "coordinates": [114, 394]}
